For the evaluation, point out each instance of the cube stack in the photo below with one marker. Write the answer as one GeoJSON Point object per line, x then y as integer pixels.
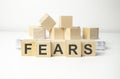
{"type": "Point", "coordinates": [65, 31]}
{"type": "Point", "coordinates": [65, 40]}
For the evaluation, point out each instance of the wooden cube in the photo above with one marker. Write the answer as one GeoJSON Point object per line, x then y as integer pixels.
{"type": "Point", "coordinates": [43, 48]}
{"type": "Point", "coordinates": [57, 34]}
{"type": "Point", "coordinates": [90, 33]}
{"type": "Point", "coordinates": [88, 48]}
{"type": "Point", "coordinates": [58, 48]}
{"type": "Point", "coordinates": [73, 48]}
{"type": "Point", "coordinates": [28, 47]}
{"type": "Point", "coordinates": [39, 33]}
{"type": "Point", "coordinates": [47, 22]}
{"type": "Point", "coordinates": [65, 21]}
{"type": "Point", "coordinates": [72, 33]}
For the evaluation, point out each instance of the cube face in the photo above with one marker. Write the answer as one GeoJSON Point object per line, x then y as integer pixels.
{"type": "Point", "coordinates": [28, 47]}
{"type": "Point", "coordinates": [39, 33]}
{"type": "Point", "coordinates": [90, 33]}
{"type": "Point", "coordinates": [67, 32]}
{"type": "Point", "coordinates": [58, 48]}
{"type": "Point", "coordinates": [94, 33]}
{"type": "Point", "coordinates": [75, 34]}
{"type": "Point", "coordinates": [43, 48]}
{"type": "Point", "coordinates": [88, 48]}
{"type": "Point", "coordinates": [47, 22]}
{"type": "Point", "coordinates": [73, 49]}
{"type": "Point", "coordinates": [86, 33]}
{"type": "Point", "coordinates": [65, 21]}
{"type": "Point", "coordinates": [57, 34]}
{"type": "Point", "coordinates": [72, 33]}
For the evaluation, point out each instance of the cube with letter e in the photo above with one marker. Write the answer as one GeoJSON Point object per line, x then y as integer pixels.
{"type": "Point", "coordinates": [43, 48]}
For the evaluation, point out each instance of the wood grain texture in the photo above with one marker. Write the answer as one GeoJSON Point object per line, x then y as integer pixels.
{"type": "Point", "coordinates": [47, 22]}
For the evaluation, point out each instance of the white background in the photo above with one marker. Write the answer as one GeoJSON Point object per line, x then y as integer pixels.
{"type": "Point", "coordinates": [18, 15]}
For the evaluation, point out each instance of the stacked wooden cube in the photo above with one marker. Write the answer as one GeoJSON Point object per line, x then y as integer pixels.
{"type": "Point", "coordinates": [66, 37]}
{"type": "Point", "coordinates": [65, 31]}
{"type": "Point", "coordinates": [39, 32]}
{"type": "Point", "coordinates": [90, 33]}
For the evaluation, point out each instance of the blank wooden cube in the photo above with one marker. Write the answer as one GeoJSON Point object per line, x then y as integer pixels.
{"type": "Point", "coordinates": [58, 48]}
{"type": "Point", "coordinates": [65, 21]}
{"type": "Point", "coordinates": [39, 33]}
{"type": "Point", "coordinates": [94, 33]}
{"type": "Point", "coordinates": [88, 48]}
{"type": "Point", "coordinates": [43, 48]}
{"type": "Point", "coordinates": [47, 22]}
{"type": "Point", "coordinates": [57, 34]}
{"type": "Point", "coordinates": [28, 47]}
{"type": "Point", "coordinates": [72, 33]}
{"type": "Point", "coordinates": [90, 33]}
{"type": "Point", "coordinates": [73, 48]}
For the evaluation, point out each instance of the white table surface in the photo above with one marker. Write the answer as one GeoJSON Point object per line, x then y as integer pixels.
{"type": "Point", "coordinates": [106, 65]}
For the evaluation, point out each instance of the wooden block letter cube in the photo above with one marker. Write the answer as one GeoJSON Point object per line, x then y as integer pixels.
{"type": "Point", "coordinates": [72, 33]}
{"type": "Point", "coordinates": [58, 48]}
{"type": "Point", "coordinates": [73, 49]}
{"type": "Point", "coordinates": [47, 22]}
{"type": "Point", "coordinates": [57, 34]}
{"type": "Point", "coordinates": [43, 48]}
{"type": "Point", "coordinates": [28, 47]}
{"type": "Point", "coordinates": [90, 33]}
{"type": "Point", "coordinates": [65, 21]}
{"type": "Point", "coordinates": [88, 48]}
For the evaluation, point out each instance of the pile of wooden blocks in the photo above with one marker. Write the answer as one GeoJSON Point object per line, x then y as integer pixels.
{"type": "Point", "coordinates": [64, 40]}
